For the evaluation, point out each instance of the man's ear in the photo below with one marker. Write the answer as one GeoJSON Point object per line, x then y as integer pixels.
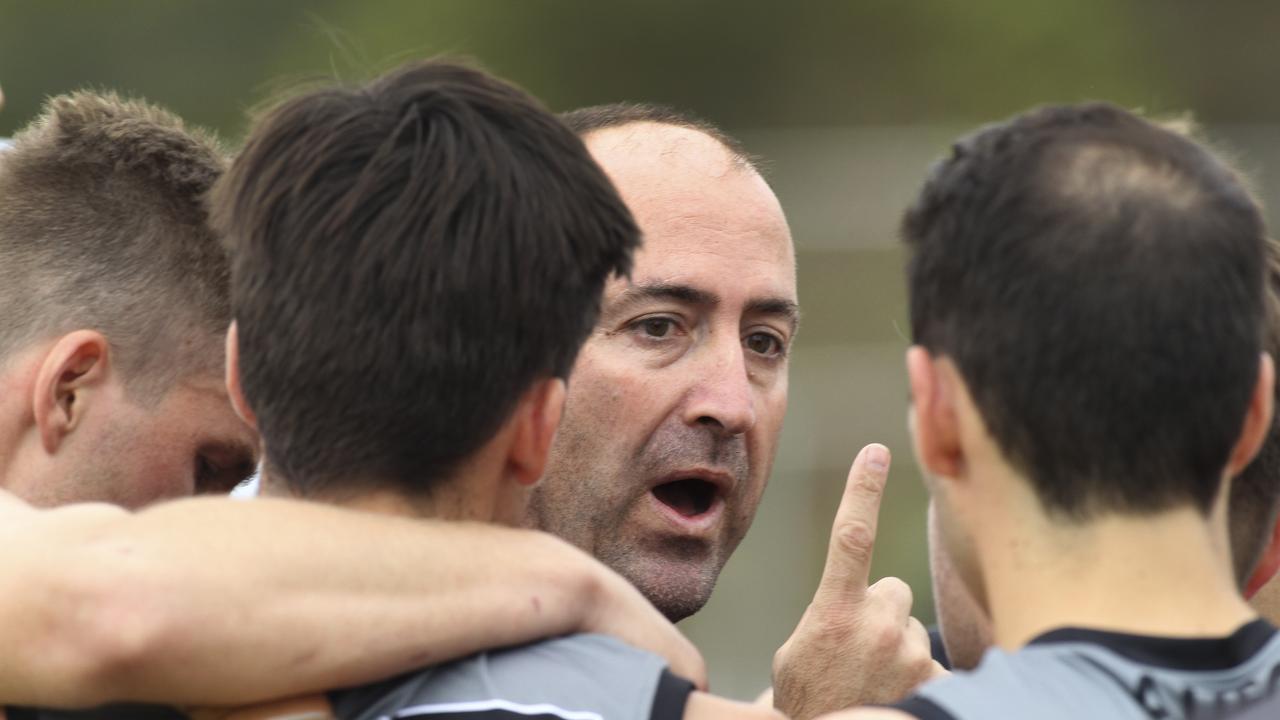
{"type": "Point", "coordinates": [70, 376]}
{"type": "Point", "coordinates": [234, 392]}
{"type": "Point", "coordinates": [934, 423]}
{"type": "Point", "coordinates": [1267, 566]}
{"type": "Point", "coordinates": [536, 418]}
{"type": "Point", "coordinates": [1257, 419]}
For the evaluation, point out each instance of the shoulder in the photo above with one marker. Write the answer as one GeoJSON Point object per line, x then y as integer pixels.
{"type": "Point", "coordinates": [1045, 682]}
{"type": "Point", "coordinates": [592, 656]}
{"type": "Point", "coordinates": [579, 677]}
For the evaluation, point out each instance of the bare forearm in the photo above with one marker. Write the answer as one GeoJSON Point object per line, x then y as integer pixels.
{"type": "Point", "coordinates": [210, 601]}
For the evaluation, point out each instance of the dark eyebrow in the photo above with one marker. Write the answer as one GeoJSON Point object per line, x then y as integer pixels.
{"type": "Point", "coordinates": [788, 310]}
{"type": "Point", "coordinates": [639, 294]}
{"type": "Point", "coordinates": [635, 295]}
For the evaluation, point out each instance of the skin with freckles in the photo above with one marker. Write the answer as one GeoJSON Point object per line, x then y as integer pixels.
{"type": "Point", "coordinates": [677, 399]}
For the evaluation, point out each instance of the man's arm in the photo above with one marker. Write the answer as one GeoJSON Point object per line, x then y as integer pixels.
{"type": "Point", "coordinates": [214, 601]}
{"type": "Point", "coordinates": [703, 706]}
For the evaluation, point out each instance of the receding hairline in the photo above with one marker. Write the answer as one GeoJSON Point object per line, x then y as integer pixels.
{"type": "Point", "coordinates": [659, 145]}
{"type": "Point", "coordinates": [588, 121]}
{"type": "Point", "coordinates": [653, 161]}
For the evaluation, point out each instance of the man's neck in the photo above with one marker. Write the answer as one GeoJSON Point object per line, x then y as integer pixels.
{"type": "Point", "coordinates": [449, 500]}
{"type": "Point", "coordinates": [17, 427]}
{"type": "Point", "coordinates": [1165, 574]}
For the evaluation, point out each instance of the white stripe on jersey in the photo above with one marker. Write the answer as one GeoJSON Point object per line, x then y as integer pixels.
{"type": "Point", "coordinates": [495, 704]}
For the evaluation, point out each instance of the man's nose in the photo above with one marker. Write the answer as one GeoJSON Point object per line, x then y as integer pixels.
{"type": "Point", "coordinates": [722, 396]}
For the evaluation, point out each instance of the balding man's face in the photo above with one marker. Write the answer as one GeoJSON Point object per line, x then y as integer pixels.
{"type": "Point", "coordinates": [677, 399]}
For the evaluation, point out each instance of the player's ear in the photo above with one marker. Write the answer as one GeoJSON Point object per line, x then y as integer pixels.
{"type": "Point", "coordinates": [536, 418]}
{"type": "Point", "coordinates": [233, 379]}
{"type": "Point", "coordinates": [934, 423]}
{"type": "Point", "coordinates": [1267, 566]}
{"type": "Point", "coordinates": [72, 376]}
{"type": "Point", "coordinates": [1257, 419]}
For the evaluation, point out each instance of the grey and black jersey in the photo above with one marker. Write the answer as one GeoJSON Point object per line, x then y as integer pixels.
{"type": "Point", "coordinates": [579, 677]}
{"type": "Point", "coordinates": [1074, 673]}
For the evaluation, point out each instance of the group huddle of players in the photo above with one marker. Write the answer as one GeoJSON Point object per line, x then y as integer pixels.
{"type": "Point", "coordinates": [515, 383]}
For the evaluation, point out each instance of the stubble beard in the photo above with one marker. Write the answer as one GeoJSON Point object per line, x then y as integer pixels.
{"type": "Point", "coordinates": [676, 574]}
{"type": "Point", "coordinates": [678, 578]}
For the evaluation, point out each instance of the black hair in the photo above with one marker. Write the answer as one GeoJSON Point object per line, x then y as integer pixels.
{"type": "Point", "coordinates": [1098, 281]}
{"type": "Point", "coordinates": [409, 257]}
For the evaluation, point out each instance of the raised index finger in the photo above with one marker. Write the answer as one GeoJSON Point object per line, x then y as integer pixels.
{"type": "Point", "coordinates": [853, 534]}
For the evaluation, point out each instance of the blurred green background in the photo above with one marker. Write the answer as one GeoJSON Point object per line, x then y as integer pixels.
{"type": "Point", "coordinates": [848, 102]}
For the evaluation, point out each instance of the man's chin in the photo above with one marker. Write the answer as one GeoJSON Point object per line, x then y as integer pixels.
{"type": "Point", "coordinates": [677, 587]}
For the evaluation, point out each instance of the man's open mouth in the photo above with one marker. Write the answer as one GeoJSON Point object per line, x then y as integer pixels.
{"type": "Point", "coordinates": [689, 497]}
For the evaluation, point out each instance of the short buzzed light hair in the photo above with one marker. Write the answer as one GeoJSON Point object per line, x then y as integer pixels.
{"type": "Point", "coordinates": [103, 226]}
{"type": "Point", "coordinates": [585, 121]}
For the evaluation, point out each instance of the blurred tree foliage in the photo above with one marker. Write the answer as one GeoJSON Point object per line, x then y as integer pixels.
{"type": "Point", "coordinates": [743, 63]}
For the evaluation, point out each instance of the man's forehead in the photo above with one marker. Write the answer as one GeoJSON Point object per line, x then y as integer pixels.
{"type": "Point", "coordinates": [709, 269]}
{"type": "Point", "coordinates": [705, 217]}
{"type": "Point", "coordinates": [641, 147]}
{"type": "Point", "coordinates": [676, 253]}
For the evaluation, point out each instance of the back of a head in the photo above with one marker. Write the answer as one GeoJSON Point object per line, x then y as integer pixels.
{"type": "Point", "coordinates": [1098, 282]}
{"type": "Point", "coordinates": [103, 226]}
{"type": "Point", "coordinates": [409, 257]}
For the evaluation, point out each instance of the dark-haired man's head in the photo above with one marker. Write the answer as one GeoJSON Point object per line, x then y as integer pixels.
{"type": "Point", "coordinates": [677, 399]}
{"type": "Point", "coordinates": [1252, 515]}
{"type": "Point", "coordinates": [114, 299]}
{"type": "Point", "coordinates": [1087, 305]}
{"type": "Point", "coordinates": [416, 262]}
{"type": "Point", "coordinates": [1255, 496]}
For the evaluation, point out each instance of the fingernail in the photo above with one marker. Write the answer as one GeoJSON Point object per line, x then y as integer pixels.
{"type": "Point", "coordinates": [877, 457]}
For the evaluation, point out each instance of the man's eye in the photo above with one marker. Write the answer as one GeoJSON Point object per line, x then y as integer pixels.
{"type": "Point", "coordinates": [764, 344]}
{"type": "Point", "coordinates": [658, 327]}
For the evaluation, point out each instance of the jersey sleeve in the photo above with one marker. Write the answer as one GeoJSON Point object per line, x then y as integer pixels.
{"type": "Point", "coordinates": [671, 697]}
{"type": "Point", "coordinates": [923, 709]}
{"type": "Point", "coordinates": [579, 677]}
